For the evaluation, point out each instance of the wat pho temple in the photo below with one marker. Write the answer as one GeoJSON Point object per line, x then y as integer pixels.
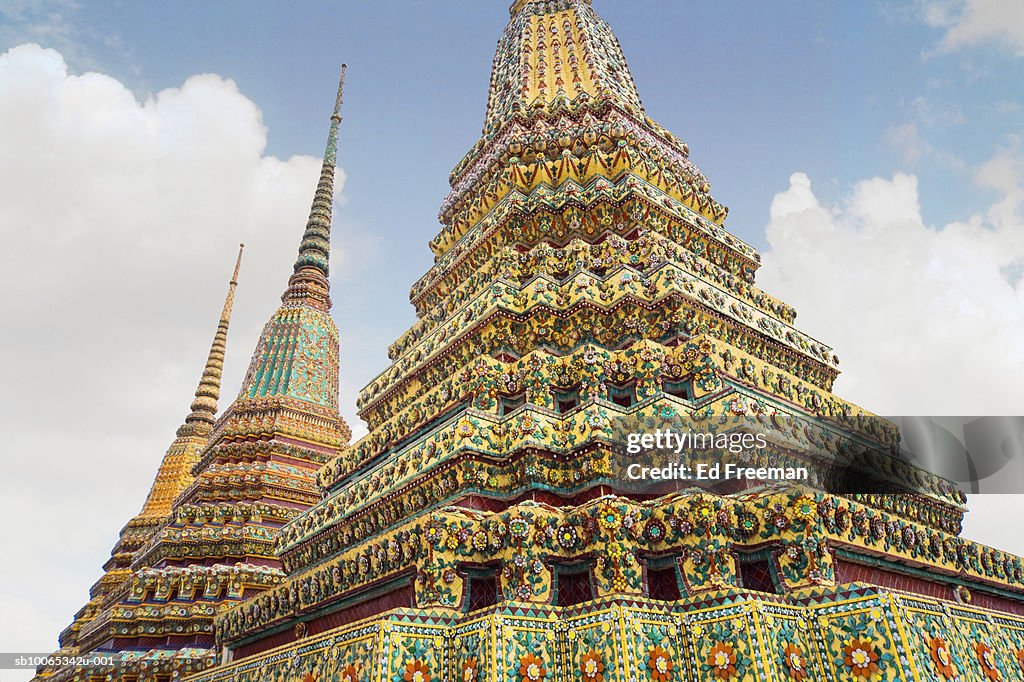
{"type": "Point", "coordinates": [583, 285]}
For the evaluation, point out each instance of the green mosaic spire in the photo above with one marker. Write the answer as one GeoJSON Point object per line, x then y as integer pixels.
{"type": "Point", "coordinates": [314, 251]}
{"type": "Point", "coordinates": [297, 356]}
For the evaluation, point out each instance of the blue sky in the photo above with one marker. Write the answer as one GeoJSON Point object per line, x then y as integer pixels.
{"type": "Point", "coordinates": [756, 88]}
{"type": "Point", "coordinates": [840, 91]}
{"type": "Point", "coordinates": [871, 149]}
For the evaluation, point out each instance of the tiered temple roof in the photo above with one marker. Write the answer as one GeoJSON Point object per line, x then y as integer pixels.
{"type": "Point", "coordinates": [584, 286]}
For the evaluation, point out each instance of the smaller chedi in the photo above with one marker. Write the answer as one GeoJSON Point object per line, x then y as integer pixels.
{"type": "Point", "coordinates": [119, 595]}
{"type": "Point", "coordinates": [584, 288]}
{"type": "Point", "coordinates": [206, 535]}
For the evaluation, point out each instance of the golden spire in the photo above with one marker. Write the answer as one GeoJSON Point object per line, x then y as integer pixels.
{"type": "Point", "coordinates": [556, 54]}
{"type": "Point", "coordinates": [311, 271]}
{"type": "Point", "coordinates": [204, 407]}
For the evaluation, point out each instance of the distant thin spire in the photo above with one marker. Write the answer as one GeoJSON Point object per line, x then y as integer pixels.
{"type": "Point", "coordinates": [310, 278]}
{"type": "Point", "coordinates": [204, 407]}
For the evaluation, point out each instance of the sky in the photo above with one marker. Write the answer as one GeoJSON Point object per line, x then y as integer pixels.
{"type": "Point", "coordinates": [873, 151]}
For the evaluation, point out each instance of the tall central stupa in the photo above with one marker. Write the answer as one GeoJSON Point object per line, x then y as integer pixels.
{"type": "Point", "coordinates": [584, 286]}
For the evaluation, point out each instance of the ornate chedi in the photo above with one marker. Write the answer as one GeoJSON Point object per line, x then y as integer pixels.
{"type": "Point", "coordinates": [583, 286]}
{"type": "Point", "coordinates": [244, 477]}
{"type": "Point", "coordinates": [174, 474]}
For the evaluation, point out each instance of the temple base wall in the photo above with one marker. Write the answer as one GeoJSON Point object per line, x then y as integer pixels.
{"type": "Point", "coordinates": [855, 632]}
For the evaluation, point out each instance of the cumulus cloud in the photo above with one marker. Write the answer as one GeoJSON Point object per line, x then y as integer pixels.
{"type": "Point", "coordinates": [972, 22]}
{"type": "Point", "coordinates": [927, 320]}
{"type": "Point", "coordinates": [119, 224]}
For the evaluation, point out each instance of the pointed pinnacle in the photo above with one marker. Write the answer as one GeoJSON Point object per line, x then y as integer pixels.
{"type": "Point", "coordinates": [204, 406]}
{"type": "Point", "coordinates": [310, 278]}
{"type": "Point", "coordinates": [238, 264]}
{"type": "Point", "coordinates": [225, 315]}
{"type": "Point", "coordinates": [341, 91]}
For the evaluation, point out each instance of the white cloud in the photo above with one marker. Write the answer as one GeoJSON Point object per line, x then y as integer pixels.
{"type": "Point", "coordinates": [972, 22]}
{"type": "Point", "coordinates": [119, 224]}
{"type": "Point", "coordinates": [926, 320]}
{"type": "Point", "coordinates": [921, 317]}
{"type": "Point", "coordinates": [907, 139]}
{"type": "Point", "coordinates": [926, 114]}
{"type": "Point", "coordinates": [1004, 172]}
